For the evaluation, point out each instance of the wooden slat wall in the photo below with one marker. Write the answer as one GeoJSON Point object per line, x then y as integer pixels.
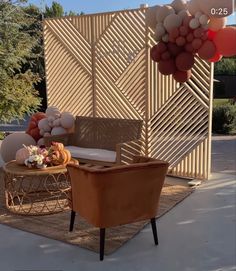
{"type": "Point", "coordinates": [99, 65]}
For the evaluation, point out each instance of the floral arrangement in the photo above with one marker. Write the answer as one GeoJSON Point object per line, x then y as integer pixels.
{"type": "Point", "coordinates": [42, 157]}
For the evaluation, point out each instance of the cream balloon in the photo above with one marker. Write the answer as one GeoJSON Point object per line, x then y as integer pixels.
{"type": "Point", "coordinates": [198, 14]}
{"type": "Point", "coordinates": [163, 12]}
{"type": "Point", "coordinates": [216, 8]}
{"type": "Point", "coordinates": [172, 21]}
{"type": "Point", "coordinates": [159, 32]}
{"type": "Point", "coordinates": [40, 142]}
{"type": "Point", "coordinates": [193, 6]}
{"type": "Point", "coordinates": [12, 143]}
{"type": "Point", "coordinates": [41, 132]}
{"type": "Point", "coordinates": [183, 13]}
{"type": "Point", "coordinates": [56, 122]}
{"type": "Point", "coordinates": [44, 124]}
{"type": "Point", "coordinates": [165, 38]}
{"type": "Point", "coordinates": [67, 120]}
{"type": "Point", "coordinates": [216, 24]}
{"type": "Point", "coordinates": [178, 5]}
{"type": "Point", "coordinates": [150, 16]}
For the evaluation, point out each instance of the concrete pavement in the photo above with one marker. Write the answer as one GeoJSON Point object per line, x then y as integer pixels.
{"type": "Point", "coordinates": [197, 235]}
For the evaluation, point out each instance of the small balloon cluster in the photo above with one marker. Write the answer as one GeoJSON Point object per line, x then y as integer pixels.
{"type": "Point", "coordinates": [52, 122]}
{"type": "Point", "coordinates": [184, 30]}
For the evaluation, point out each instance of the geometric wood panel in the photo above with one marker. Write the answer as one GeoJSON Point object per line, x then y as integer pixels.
{"type": "Point", "coordinates": [99, 65]}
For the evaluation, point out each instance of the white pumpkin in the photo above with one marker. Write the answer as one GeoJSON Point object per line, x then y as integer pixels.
{"type": "Point", "coordinates": [67, 120]}
{"type": "Point", "coordinates": [53, 111]}
{"type": "Point", "coordinates": [58, 131]}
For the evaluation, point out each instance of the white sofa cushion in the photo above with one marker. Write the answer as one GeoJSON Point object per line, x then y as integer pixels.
{"type": "Point", "coordinates": [92, 154]}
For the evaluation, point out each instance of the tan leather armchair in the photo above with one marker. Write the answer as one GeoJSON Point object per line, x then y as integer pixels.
{"type": "Point", "coordinates": [117, 195]}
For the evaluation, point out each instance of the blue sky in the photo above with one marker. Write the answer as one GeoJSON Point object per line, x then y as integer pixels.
{"type": "Point", "coordinates": [94, 6]}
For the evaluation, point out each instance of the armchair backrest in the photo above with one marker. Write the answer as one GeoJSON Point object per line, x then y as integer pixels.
{"type": "Point", "coordinates": [105, 133]}
{"type": "Point", "coordinates": [120, 194]}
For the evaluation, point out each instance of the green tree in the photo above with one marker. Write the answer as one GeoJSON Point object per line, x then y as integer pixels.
{"type": "Point", "coordinates": [56, 10]}
{"type": "Point", "coordinates": [226, 66]}
{"type": "Point", "coordinates": [17, 92]}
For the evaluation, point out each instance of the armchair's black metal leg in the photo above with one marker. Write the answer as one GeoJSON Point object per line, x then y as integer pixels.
{"type": "Point", "coordinates": [102, 243]}
{"type": "Point", "coordinates": [154, 230]}
{"type": "Point", "coordinates": [72, 220]}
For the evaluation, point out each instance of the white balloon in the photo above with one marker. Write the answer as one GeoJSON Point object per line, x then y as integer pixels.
{"type": "Point", "coordinates": [56, 122]}
{"type": "Point", "coordinates": [193, 6]}
{"type": "Point", "coordinates": [183, 13]}
{"type": "Point", "coordinates": [194, 23]}
{"type": "Point", "coordinates": [204, 19]}
{"type": "Point", "coordinates": [179, 5]}
{"type": "Point", "coordinates": [51, 119]}
{"type": "Point", "coordinates": [44, 124]}
{"type": "Point", "coordinates": [163, 12]}
{"type": "Point", "coordinates": [172, 21]}
{"type": "Point", "coordinates": [47, 134]}
{"type": "Point", "coordinates": [67, 120]}
{"type": "Point", "coordinates": [53, 111]}
{"type": "Point", "coordinates": [41, 132]}
{"type": "Point", "coordinates": [198, 14]}
{"type": "Point", "coordinates": [58, 131]}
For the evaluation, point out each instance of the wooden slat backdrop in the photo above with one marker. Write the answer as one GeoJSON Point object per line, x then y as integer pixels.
{"type": "Point", "coordinates": [99, 65]}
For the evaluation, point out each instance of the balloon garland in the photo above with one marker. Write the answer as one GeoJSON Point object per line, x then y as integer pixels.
{"type": "Point", "coordinates": [184, 30]}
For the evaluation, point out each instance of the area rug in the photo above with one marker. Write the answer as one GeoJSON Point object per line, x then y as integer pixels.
{"type": "Point", "coordinates": [55, 226]}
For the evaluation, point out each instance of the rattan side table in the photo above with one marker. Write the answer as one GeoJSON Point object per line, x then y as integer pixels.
{"type": "Point", "coordinates": [36, 191]}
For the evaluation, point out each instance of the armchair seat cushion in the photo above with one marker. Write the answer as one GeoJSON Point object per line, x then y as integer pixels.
{"type": "Point", "coordinates": [92, 154]}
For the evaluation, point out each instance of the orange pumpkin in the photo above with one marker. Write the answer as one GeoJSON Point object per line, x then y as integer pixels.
{"type": "Point", "coordinates": [61, 157]}
{"type": "Point", "coordinates": [57, 146]}
{"type": "Point", "coordinates": [33, 129]}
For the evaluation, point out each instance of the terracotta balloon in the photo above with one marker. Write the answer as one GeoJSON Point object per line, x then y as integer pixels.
{"type": "Point", "coordinates": [182, 76]}
{"type": "Point", "coordinates": [174, 49]}
{"type": "Point", "coordinates": [172, 21]}
{"type": "Point", "coordinates": [189, 48]}
{"type": "Point", "coordinates": [198, 33]}
{"type": "Point", "coordinates": [190, 37]}
{"type": "Point", "coordinates": [183, 30]}
{"type": "Point", "coordinates": [174, 33]}
{"type": "Point", "coordinates": [207, 50]}
{"type": "Point", "coordinates": [167, 67]}
{"type": "Point", "coordinates": [196, 43]}
{"type": "Point", "coordinates": [215, 58]}
{"type": "Point", "coordinates": [166, 55]}
{"type": "Point", "coordinates": [216, 24]}
{"type": "Point", "coordinates": [161, 47]}
{"type": "Point", "coordinates": [225, 41]}
{"type": "Point", "coordinates": [184, 61]}
{"type": "Point", "coordinates": [216, 8]}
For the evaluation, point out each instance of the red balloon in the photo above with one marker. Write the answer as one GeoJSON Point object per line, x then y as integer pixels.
{"type": "Point", "coordinates": [182, 76]}
{"type": "Point", "coordinates": [196, 43]}
{"type": "Point", "coordinates": [211, 34]}
{"type": "Point", "coordinates": [225, 41]}
{"type": "Point", "coordinates": [215, 58]}
{"type": "Point", "coordinates": [174, 49]}
{"type": "Point", "coordinates": [207, 50]}
{"type": "Point", "coordinates": [180, 41]}
{"type": "Point", "coordinates": [184, 61]}
{"type": "Point", "coordinates": [167, 67]}
{"type": "Point", "coordinates": [154, 54]}
{"type": "Point", "coordinates": [189, 48]}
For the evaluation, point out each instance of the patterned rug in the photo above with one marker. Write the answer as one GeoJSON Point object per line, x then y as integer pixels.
{"type": "Point", "coordinates": [55, 226]}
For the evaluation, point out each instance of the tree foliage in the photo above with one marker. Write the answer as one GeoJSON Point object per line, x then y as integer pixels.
{"type": "Point", "coordinates": [17, 93]}
{"type": "Point", "coordinates": [227, 66]}
{"type": "Point", "coordinates": [56, 10]}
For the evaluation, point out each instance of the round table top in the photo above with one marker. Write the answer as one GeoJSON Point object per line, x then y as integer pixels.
{"type": "Point", "coordinates": [13, 168]}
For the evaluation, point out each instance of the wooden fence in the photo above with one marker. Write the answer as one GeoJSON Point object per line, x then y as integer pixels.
{"type": "Point", "coordinates": [99, 65]}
